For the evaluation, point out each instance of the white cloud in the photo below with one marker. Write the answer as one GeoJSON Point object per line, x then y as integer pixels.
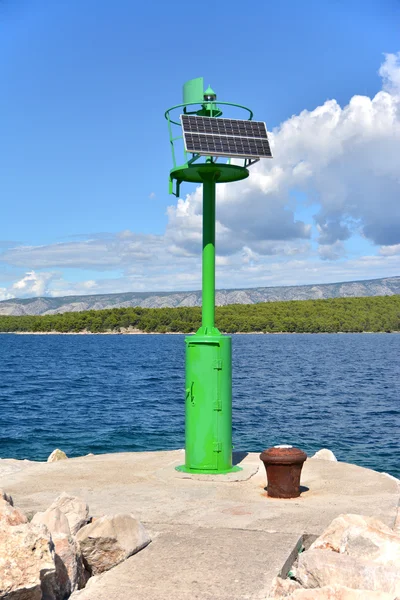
{"type": "Point", "coordinates": [390, 73]}
{"type": "Point", "coordinates": [343, 160]}
{"type": "Point", "coordinates": [102, 253]}
{"type": "Point", "coordinates": [61, 287]}
{"type": "Point", "coordinates": [243, 269]}
{"type": "Point", "coordinates": [5, 294]}
{"type": "Point", "coordinates": [45, 283]}
{"type": "Point", "coordinates": [332, 251]}
{"type": "Point", "coordinates": [33, 284]}
{"type": "Point", "coordinates": [390, 250]}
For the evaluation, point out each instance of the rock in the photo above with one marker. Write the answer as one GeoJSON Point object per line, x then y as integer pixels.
{"type": "Point", "coordinates": [8, 513]}
{"type": "Point", "coordinates": [69, 565]}
{"type": "Point", "coordinates": [6, 497]}
{"type": "Point", "coordinates": [325, 454]}
{"type": "Point", "coordinates": [335, 534]}
{"type": "Point", "coordinates": [363, 537]}
{"type": "Point", "coordinates": [55, 521]}
{"type": "Point", "coordinates": [319, 568]}
{"type": "Point", "coordinates": [396, 527]}
{"type": "Point", "coordinates": [75, 509]}
{"type": "Point", "coordinates": [338, 592]}
{"type": "Point", "coordinates": [11, 515]}
{"type": "Point", "coordinates": [282, 588]}
{"type": "Point", "coordinates": [26, 562]}
{"type": "Point", "coordinates": [93, 519]}
{"type": "Point", "coordinates": [373, 545]}
{"type": "Point", "coordinates": [56, 455]}
{"type": "Point", "coordinates": [81, 594]}
{"type": "Point", "coordinates": [110, 540]}
{"type": "Point", "coordinates": [87, 593]}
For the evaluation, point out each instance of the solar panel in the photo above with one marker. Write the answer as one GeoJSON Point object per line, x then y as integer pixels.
{"type": "Point", "coordinates": [212, 136]}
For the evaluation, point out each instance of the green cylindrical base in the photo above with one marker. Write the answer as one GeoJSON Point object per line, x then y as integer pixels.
{"type": "Point", "coordinates": [208, 404]}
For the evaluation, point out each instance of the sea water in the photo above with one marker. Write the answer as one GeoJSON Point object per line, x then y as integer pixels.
{"type": "Point", "coordinates": [123, 393]}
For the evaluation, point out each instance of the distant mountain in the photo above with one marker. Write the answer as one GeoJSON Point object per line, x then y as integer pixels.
{"type": "Point", "coordinates": [388, 286]}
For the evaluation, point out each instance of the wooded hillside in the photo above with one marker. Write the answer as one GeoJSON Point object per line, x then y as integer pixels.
{"type": "Point", "coordinates": [308, 316]}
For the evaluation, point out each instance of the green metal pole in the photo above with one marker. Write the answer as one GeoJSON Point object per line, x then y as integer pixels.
{"type": "Point", "coordinates": [208, 406]}
{"type": "Point", "coordinates": [208, 267]}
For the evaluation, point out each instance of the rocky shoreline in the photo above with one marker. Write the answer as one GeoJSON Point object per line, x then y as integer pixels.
{"type": "Point", "coordinates": [355, 558]}
{"type": "Point", "coordinates": [54, 555]}
{"type": "Point", "coordinates": [61, 549]}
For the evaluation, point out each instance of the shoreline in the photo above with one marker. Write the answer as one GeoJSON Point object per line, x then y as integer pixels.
{"type": "Point", "coordinates": [121, 453]}
{"type": "Point", "coordinates": [139, 332]}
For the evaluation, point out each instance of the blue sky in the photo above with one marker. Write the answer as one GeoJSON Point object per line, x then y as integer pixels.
{"type": "Point", "coordinates": [84, 152]}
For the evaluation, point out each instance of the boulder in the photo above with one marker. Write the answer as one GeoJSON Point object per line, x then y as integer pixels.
{"type": "Point", "coordinates": [69, 565]}
{"type": "Point", "coordinates": [282, 588]}
{"type": "Point", "coordinates": [362, 537]}
{"type": "Point", "coordinates": [90, 591]}
{"type": "Point", "coordinates": [55, 521]}
{"type": "Point", "coordinates": [325, 454]}
{"type": "Point", "coordinates": [26, 562]}
{"type": "Point", "coordinates": [379, 547]}
{"type": "Point", "coordinates": [11, 515]}
{"type": "Point", "coordinates": [6, 497]}
{"type": "Point", "coordinates": [56, 455]}
{"type": "Point", "coordinates": [319, 568]}
{"type": "Point", "coordinates": [110, 540]}
{"type": "Point", "coordinates": [75, 509]}
{"type": "Point", "coordinates": [338, 592]}
{"type": "Point", "coordinates": [396, 527]}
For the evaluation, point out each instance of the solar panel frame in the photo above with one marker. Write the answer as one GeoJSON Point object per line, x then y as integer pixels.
{"type": "Point", "coordinates": [219, 126]}
{"type": "Point", "coordinates": [211, 136]}
{"type": "Point", "coordinates": [240, 147]}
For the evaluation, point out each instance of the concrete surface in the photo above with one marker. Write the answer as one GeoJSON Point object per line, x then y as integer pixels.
{"type": "Point", "coordinates": [217, 539]}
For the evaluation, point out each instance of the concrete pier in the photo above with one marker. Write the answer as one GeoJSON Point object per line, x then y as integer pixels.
{"type": "Point", "coordinates": [214, 537]}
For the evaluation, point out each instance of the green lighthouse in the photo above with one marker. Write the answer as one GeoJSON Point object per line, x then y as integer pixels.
{"type": "Point", "coordinates": [210, 142]}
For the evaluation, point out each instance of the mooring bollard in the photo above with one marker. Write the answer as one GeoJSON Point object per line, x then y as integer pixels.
{"type": "Point", "coordinates": [283, 465]}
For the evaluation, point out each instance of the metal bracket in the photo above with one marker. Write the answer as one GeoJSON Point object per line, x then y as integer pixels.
{"type": "Point", "coordinates": [218, 364]}
{"type": "Point", "coordinates": [251, 162]}
{"type": "Point", "coordinates": [193, 159]}
{"type": "Point", "coordinates": [177, 187]}
{"type": "Point", "coordinates": [217, 446]}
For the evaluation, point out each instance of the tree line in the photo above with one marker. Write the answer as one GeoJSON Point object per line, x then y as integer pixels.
{"type": "Point", "coordinates": [375, 314]}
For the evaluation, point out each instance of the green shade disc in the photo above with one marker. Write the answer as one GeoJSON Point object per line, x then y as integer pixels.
{"type": "Point", "coordinates": [219, 172]}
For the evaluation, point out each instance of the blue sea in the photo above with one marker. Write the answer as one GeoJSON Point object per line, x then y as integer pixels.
{"type": "Point", "coordinates": [117, 393]}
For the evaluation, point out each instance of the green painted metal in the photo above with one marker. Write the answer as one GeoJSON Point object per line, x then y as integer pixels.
{"type": "Point", "coordinates": [208, 262]}
{"type": "Point", "coordinates": [195, 173]}
{"type": "Point", "coordinates": [193, 91]}
{"type": "Point", "coordinates": [208, 404]}
{"type": "Point", "coordinates": [209, 91]}
{"type": "Point", "coordinates": [180, 172]}
{"type": "Point", "coordinates": [184, 105]}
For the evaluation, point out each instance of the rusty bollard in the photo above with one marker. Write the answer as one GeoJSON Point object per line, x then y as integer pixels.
{"type": "Point", "coordinates": [283, 465]}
